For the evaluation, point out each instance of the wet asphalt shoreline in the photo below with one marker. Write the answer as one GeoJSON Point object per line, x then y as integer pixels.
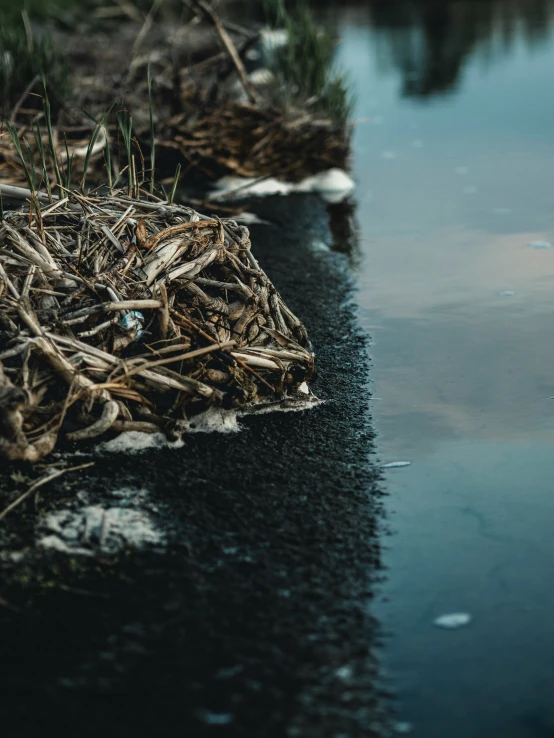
{"type": "Point", "coordinates": [252, 619]}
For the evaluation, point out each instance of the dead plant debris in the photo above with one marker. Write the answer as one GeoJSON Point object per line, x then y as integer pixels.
{"type": "Point", "coordinates": [120, 313]}
{"type": "Point", "coordinates": [193, 95]}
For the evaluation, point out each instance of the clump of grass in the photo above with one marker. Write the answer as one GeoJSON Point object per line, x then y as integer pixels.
{"type": "Point", "coordinates": [25, 58]}
{"type": "Point", "coordinates": [27, 163]}
{"type": "Point", "coordinates": [39, 8]}
{"type": "Point", "coordinates": [304, 67]}
{"type": "Point", "coordinates": [51, 162]}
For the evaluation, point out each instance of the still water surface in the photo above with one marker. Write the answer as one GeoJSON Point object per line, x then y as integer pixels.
{"type": "Point", "coordinates": [454, 160]}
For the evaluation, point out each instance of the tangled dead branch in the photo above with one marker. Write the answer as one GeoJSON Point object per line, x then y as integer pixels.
{"type": "Point", "coordinates": [126, 314]}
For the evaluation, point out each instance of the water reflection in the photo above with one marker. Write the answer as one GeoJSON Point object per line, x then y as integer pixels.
{"type": "Point", "coordinates": [460, 306]}
{"type": "Point", "coordinates": [429, 41]}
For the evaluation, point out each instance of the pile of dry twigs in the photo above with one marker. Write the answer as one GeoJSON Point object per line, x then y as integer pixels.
{"type": "Point", "coordinates": [249, 141]}
{"type": "Point", "coordinates": [130, 314]}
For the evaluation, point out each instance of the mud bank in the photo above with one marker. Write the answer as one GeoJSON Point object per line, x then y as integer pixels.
{"type": "Point", "coordinates": [246, 613]}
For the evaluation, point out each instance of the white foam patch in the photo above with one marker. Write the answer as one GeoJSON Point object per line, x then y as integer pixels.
{"type": "Point", "coordinates": [55, 543]}
{"type": "Point", "coordinates": [453, 620]}
{"type": "Point", "coordinates": [96, 529]}
{"type": "Point", "coordinates": [334, 185]}
{"type": "Point", "coordinates": [231, 186]}
{"type": "Point", "coordinates": [215, 419]}
{"type": "Point", "coordinates": [133, 442]}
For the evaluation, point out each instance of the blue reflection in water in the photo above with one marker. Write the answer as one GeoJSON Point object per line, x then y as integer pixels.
{"type": "Point", "coordinates": [454, 159]}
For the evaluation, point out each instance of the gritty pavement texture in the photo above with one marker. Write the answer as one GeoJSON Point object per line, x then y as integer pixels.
{"type": "Point", "coordinates": [247, 614]}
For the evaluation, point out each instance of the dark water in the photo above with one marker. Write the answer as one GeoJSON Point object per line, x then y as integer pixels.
{"type": "Point", "coordinates": [454, 159]}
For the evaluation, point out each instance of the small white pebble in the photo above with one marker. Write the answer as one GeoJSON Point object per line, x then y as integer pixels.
{"type": "Point", "coordinates": [453, 620]}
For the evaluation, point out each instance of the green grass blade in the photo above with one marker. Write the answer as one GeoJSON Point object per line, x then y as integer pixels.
{"type": "Point", "coordinates": [16, 142]}
{"type": "Point", "coordinates": [68, 164]}
{"type": "Point", "coordinates": [107, 154]}
{"type": "Point", "coordinates": [32, 172]}
{"type": "Point", "coordinates": [125, 122]}
{"type": "Point", "coordinates": [40, 148]}
{"type": "Point", "coordinates": [152, 133]}
{"type": "Point", "coordinates": [90, 148]}
{"type": "Point", "coordinates": [175, 183]}
{"type": "Point", "coordinates": [50, 132]}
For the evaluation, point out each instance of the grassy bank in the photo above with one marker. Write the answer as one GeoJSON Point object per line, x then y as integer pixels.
{"type": "Point", "coordinates": [222, 98]}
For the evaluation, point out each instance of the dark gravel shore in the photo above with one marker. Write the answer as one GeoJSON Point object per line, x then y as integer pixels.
{"type": "Point", "coordinates": [253, 619]}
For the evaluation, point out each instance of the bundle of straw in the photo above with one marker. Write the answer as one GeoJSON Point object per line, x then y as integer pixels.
{"type": "Point", "coordinates": [124, 314]}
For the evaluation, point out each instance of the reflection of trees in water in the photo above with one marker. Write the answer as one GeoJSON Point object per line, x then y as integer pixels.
{"type": "Point", "coordinates": [430, 40]}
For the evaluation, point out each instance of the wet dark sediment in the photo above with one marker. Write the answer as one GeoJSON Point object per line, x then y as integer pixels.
{"type": "Point", "coordinates": [253, 619]}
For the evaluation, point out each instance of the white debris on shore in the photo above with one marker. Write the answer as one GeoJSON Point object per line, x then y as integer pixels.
{"type": "Point", "coordinates": [133, 442]}
{"type": "Point", "coordinates": [397, 464]}
{"type": "Point", "coordinates": [94, 529]}
{"type": "Point", "coordinates": [334, 185]}
{"type": "Point", "coordinates": [292, 405]}
{"type": "Point", "coordinates": [213, 420]}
